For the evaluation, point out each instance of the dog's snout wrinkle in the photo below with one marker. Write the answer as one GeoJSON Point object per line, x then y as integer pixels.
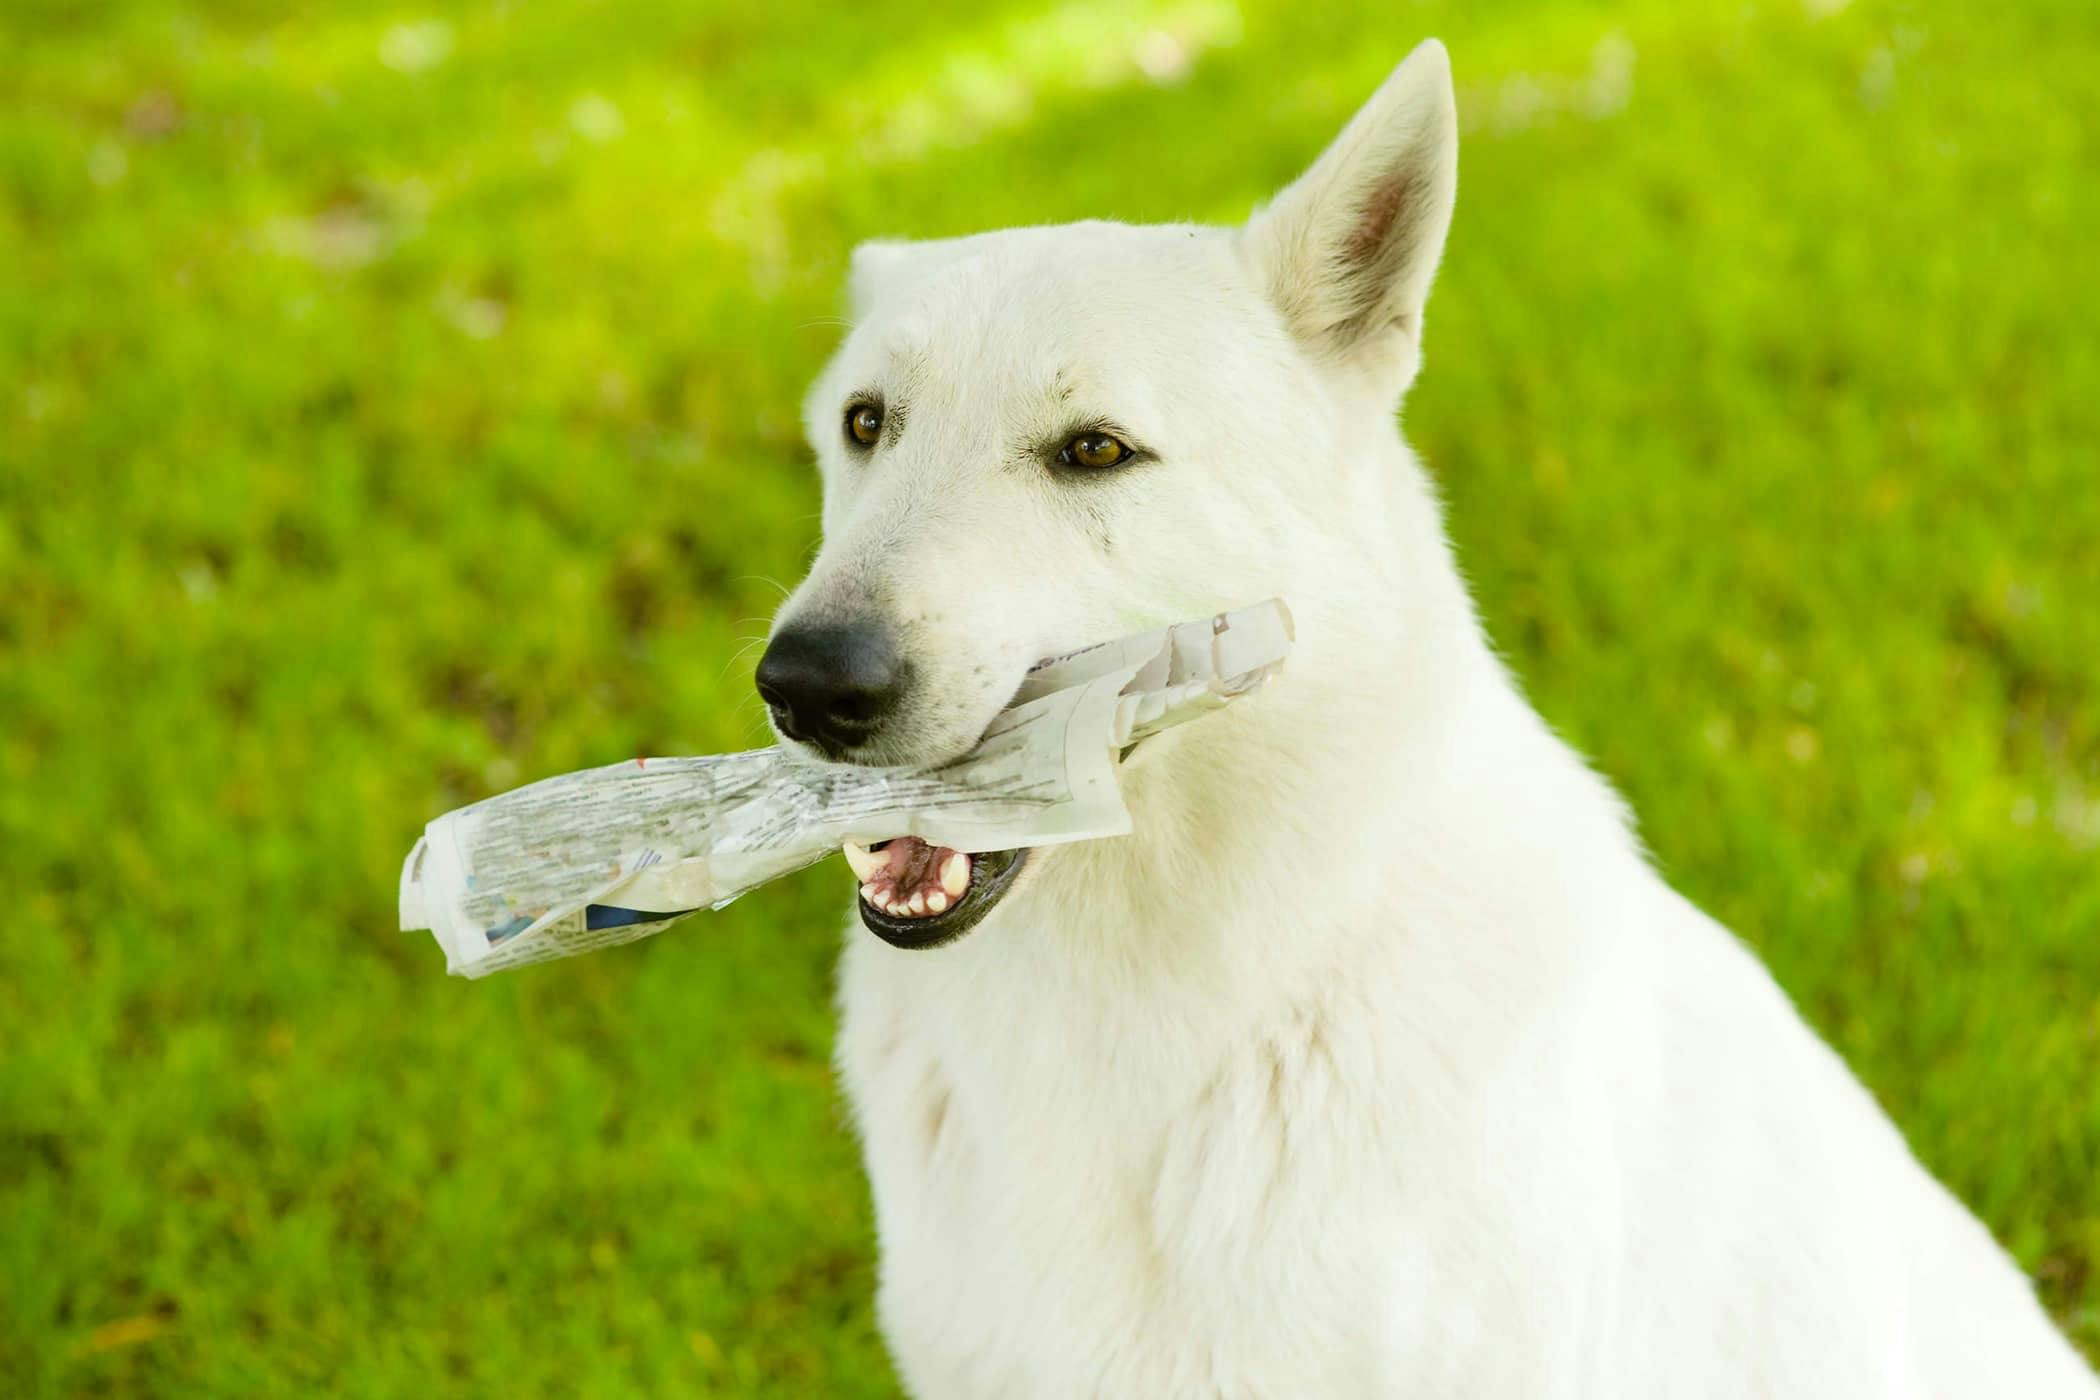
{"type": "Point", "coordinates": [832, 685]}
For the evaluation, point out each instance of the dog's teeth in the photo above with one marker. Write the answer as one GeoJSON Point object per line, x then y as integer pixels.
{"type": "Point", "coordinates": [865, 862]}
{"type": "Point", "coordinates": [937, 903]}
{"type": "Point", "coordinates": [955, 874]}
{"type": "Point", "coordinates": [871, 894]}
{"type": "Point", "coordinates": [918, 902]}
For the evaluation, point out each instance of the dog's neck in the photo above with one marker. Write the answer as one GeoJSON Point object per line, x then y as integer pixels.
{"type": "Point", "coordinates": [1388, 802]}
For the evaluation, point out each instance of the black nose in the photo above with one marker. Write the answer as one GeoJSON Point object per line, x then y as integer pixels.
{"type": "Point", "coordinates": [832, 685]}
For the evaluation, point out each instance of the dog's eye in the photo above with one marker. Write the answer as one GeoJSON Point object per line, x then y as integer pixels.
{"type": "Point", "coordinates": [864, 423]}
{"type": "Point", "coordinates": [1094, 450]}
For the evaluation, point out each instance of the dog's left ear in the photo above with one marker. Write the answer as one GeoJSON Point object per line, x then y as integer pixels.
{"type": "Point", "coordinates": [1349, 248]}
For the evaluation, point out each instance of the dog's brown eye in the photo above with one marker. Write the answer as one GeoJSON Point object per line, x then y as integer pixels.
{"type": "Point", "coordinates": [864, 423]}
{"type": "Point", "coordinates": [1094, 450]}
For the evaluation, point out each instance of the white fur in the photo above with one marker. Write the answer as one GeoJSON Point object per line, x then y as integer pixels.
{"type": "Point", "coordinates": [1377, 1061]}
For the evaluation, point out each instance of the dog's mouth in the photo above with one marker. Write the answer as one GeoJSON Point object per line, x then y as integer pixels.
{"type": "Point", "coordinates": [915, 895]}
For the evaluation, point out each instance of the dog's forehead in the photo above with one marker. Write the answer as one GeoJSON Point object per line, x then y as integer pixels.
{"type": "Point", "coordinates": [1050, 298]}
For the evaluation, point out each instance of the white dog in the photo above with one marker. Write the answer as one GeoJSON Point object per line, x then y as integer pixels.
{"type": "Point", "coordinates": [1377, 1061]}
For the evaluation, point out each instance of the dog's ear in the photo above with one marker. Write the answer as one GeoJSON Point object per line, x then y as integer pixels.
{"type": "Point", "coordinates": [883, 267]}
{"type": "Point", "coordinates": [1348, 249]}
{"type": "Point", "coordinates": [876, 263]}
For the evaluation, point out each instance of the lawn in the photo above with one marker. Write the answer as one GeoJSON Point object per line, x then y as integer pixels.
{"type": "Point", "coordinates": [397, 405]}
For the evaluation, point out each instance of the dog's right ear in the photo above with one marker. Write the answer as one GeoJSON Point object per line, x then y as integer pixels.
{"type": "Point", "coordinates": [876, 263]}
{"type": "Point", "coordinates": [1349, 248]}
{"type": "Point", "coordinates": [884, 267]}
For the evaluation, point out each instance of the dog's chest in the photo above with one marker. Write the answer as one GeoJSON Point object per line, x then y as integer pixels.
{"type": "Point", "coordinates": [1069, 1204]}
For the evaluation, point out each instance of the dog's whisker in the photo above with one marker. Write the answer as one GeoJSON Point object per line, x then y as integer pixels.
{"type": "Point", "coordinates": [768, 580]}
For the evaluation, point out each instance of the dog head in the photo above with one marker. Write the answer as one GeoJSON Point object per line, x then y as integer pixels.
{"type": "Point", "coordinates": [1039, 438]}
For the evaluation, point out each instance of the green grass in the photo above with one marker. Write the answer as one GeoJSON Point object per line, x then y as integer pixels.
{"type": "Point", "coordinates": [397, 406]}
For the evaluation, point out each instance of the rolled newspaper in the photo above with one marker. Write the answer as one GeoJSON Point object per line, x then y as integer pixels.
{"type": "Point", "coordinates": [608, 855]}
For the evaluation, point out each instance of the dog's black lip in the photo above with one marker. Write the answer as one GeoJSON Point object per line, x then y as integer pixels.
{"type": "Point", "coordinates": [991, 876]}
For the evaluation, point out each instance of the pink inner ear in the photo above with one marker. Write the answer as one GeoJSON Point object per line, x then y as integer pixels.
{"type": "Point", "coordinates": [1374, 220]}
{"type": "Point", "coordinates": [1379, 245]}
{"type": "Point", "coordinates": [1379, 240]}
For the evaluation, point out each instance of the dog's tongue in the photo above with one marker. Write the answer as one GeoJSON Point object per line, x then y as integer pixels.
{"type": "Point", "coordinates": [908, 879]}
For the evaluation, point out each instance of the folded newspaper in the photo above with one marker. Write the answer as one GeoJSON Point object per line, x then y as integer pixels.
{"type": "Point", "coordinates": [608, 855]}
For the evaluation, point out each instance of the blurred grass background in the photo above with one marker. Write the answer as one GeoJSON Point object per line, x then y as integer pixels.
{"type": "Point", "coordinates": [398, 404]}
